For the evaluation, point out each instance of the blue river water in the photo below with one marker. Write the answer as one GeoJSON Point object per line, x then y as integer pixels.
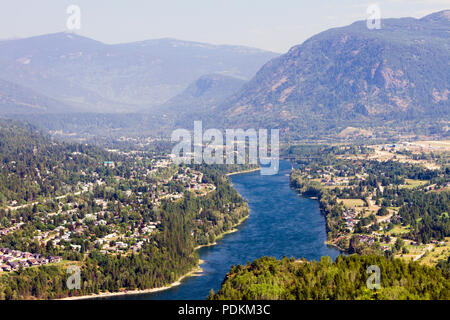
{"type": "Point", "coordinates": [281, 223]}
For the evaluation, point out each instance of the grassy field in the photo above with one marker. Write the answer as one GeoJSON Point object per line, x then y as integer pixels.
{"type": "Point", "coordinates": [398, 229]}
{"type": "Point", "coordinates": [429, 254]}
{"type": "Point", "coordinates": [349, 203]}
{"type": "Point", "coordinates": [438, 145]}
{"type": "Point", "coordinates": [413, 252]}
{"type": "Point", "coordinates": [437, 253]}
{"type": "Point", "coordinates": [413, 183]}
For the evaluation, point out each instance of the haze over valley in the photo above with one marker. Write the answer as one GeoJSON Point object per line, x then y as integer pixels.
{"type": "Point", "coordinates": [343, 77]}
{"type": "Point", "coordinates": [174, 169]}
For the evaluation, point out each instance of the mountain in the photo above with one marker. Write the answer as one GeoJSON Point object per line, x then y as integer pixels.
{"type": "Point", "coordinates": [93, 76]}
{"type": "Point", "coordinates": [400, 71]}
{"type": "Point", "coordinates": [15, 99]}
{"type": "Point", "coordinates": [202, 95]}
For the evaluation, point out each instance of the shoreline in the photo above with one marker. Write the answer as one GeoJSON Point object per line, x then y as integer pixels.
{"type": "Point", "coordinates": [331, 244]}
{"type": "Point", "coordinates": [193, 273]}
{"type": "Point", "coordinates": [233, 229]}
{"type": "Point", "coordinates": [328, 242]}
{"type": "Point", "coordinates": [223, 234]}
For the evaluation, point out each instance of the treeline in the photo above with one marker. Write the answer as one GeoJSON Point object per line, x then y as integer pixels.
{"type": "Point", "coordinates": [344, 279]}
{"type": "Point", "coordinates": [32, 166]}
{"type": "Point", "coordinates": [211, 215]}
{"type": "Point", "coordinates": [427, 214]}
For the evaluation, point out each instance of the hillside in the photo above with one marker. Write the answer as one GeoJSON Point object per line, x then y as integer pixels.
{"type": "Point", "coordinates": [195, 102]}
{"type": "Point", "coordinates": [93, 76]}
{"type": "Point", "coordinates": [344, 279]}
{"type": "Point", "coordinates": [33, 166]}
{"type": "Point", "coordinates": [201, 96]}
{"type": "Point", "coordinates": [388, 82]}
{"type": "Point", "coordinates": [15, 99]}
{"type": "Point", "coordinates": [352, 74]}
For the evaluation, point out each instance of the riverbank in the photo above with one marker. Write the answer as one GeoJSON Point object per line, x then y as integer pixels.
{"type": "Point", "coordinates": [331, 244]}
{"type": "Point", "coordinates": [274, 209]}
{"type": "Point", "coordinates": [305, 192]}
{"type": "Point", "coordinates": [193, 273]}
{"type": "Point", "coordinates": [223, 234]}
{"type": "Point", "coordinates": [197, 271]}
{"type": "Point", "coordinates": [234, 228]}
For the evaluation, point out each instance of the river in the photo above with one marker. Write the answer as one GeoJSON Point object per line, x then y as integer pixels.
{"type": "Point", "coordinates": [281, 223]}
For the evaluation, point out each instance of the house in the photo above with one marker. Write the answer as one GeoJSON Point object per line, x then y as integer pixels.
{"type": "Point", "coordinates": [32, 262]}
{"type": "Point", "coordinates": [102, 222]}
{"type": "Point", "coordinates": [14, 265]}
{"type": "Point", "coordinates": [76, 247]}
{"type": "Point", "coordinates": [5, 267]}
{"type": "Point", "coordinates": [16, 254]}
{"type": "Point", "coordinates": [26, 255]}
{"type": "Point", "coordinates": [54, 259]}
{"type": "Point", "coordinates": [121, 245]}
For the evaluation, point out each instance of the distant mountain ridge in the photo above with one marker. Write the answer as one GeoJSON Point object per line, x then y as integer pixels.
{"type": "Point", "coordinates": [93, 76]}
{"type": "Point", "coordinates": [16, 99]}
{"type": "Point", "coordinates": [348, 77]}
{"type": "Point", "coordinates": [203, 95]}
{"type": "Point", "coordinates": [400, 71]}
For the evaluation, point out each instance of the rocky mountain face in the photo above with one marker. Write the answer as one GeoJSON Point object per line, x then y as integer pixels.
{"type": "Point", "coordinates": [400, 71]}
{"type": "Point", "coordinates": [93, 76]}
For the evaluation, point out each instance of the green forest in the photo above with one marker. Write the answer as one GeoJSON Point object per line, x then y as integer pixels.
{"type": "Point", "coordinates": [344, 279]}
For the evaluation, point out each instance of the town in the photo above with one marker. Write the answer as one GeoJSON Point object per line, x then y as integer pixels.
{"type": "Point", "coordinates": [365, 194]}
{"type": "Point", "coordinates": [102, 214]}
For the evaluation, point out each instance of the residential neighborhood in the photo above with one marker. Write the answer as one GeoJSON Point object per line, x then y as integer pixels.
{"type": "Point", "coordinates": [12, 260]}
{"type": "Point", "coordinates": [98, 217]}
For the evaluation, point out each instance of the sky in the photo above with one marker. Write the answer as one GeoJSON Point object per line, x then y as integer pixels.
{"type": "Point", "coordinates": [274, 25]}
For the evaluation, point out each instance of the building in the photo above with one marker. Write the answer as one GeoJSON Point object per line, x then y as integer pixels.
{"type": "Point", "coordinates": [109, 164]}
{"type": "Point", "coordinates": [54, 259]}
{"type": "Point", "coordinates": [5, 267]}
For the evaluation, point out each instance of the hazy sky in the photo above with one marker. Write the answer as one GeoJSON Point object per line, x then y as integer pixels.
{"type": "Point", "coordinates": [268, 24]}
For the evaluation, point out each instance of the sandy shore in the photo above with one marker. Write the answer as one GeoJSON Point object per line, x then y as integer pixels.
{"type": "Point", "coordinates": [224, 234]}
{"type": "Point", "coordinates": [194, 273]}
